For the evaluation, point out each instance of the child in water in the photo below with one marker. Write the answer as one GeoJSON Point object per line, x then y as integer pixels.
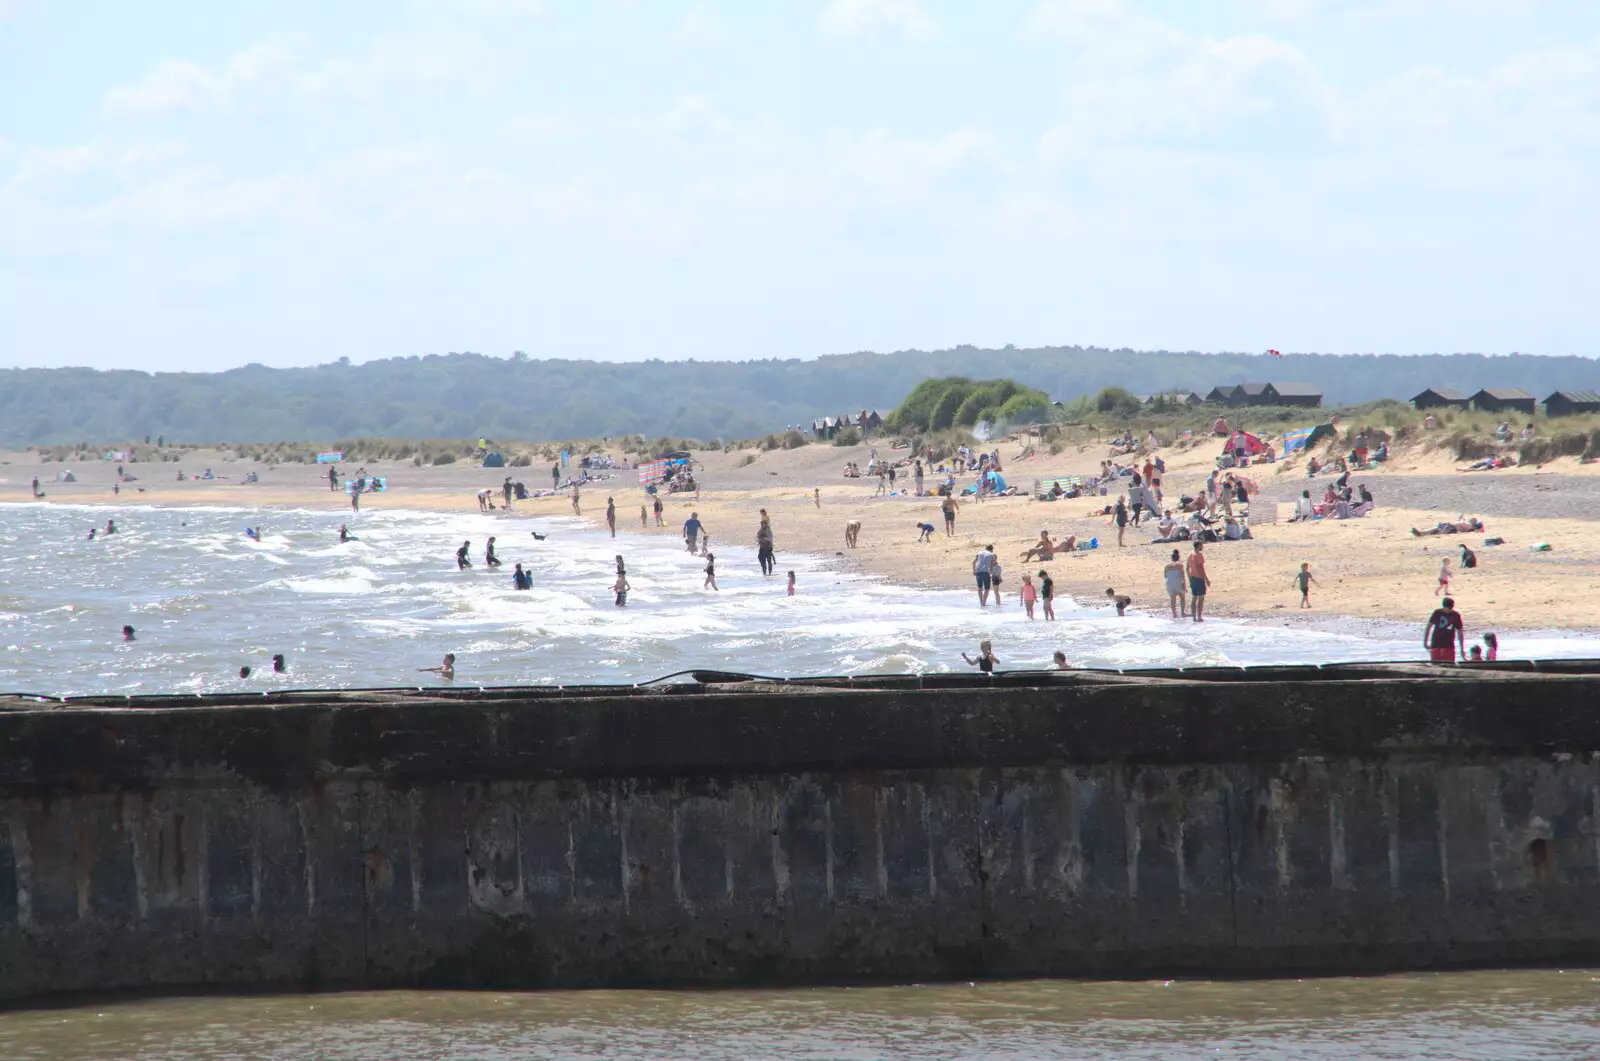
{"type": "Point", "coordinates": [446, 670]}
{"type": "Point", "coordinates": [791, 583]}
{"type": "Point", "coordinates": [620, 588]}
{"type": "Point", "coordinates": [711, 572]}
{"type": "Point", "coordinates": [1121, 600]}
{"type": "Point", "coordinates": [986, 658]}
{"type": "Point", "coordinates": [1029, 595]}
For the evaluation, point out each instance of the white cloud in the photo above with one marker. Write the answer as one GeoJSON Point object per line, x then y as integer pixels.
{"type": "Point", "coordinates": [1132, 78]}
{"type": "Point", "coordinates": [866, 18]}
{"type": "Point", "coordinates": [203, 196]}
{"type": "Point", "coordinates": [485, 8]}
{"type": "Point", "coordinates": [881, 159]}
{"type": "Point", "coordinates": [702, 27]}
{"type": "Point", "coordinates": [172, 83]}
{"type": "Point", "coordinates": [177, 83]}
{"type": "Point", "coordinates": [1276, 10]}
{"type": "Point", "coordinates": [431, 56]}
{"type": "Point", "coordinates": [46, 164]}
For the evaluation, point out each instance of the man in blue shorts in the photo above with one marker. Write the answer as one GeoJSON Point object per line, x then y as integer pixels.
{"type": "Point", "coordinates": [983, 570]}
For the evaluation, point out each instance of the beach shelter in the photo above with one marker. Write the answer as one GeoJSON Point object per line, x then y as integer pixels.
{"type": "Point", "coordinates": [1252, 444]}
{"type": "Point", "coordinates": [494, 460]}
{"type": "Point", "coordinates": [1295, 441]}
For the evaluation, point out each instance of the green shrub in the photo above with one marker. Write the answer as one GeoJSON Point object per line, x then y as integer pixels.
{"type": "Point", "coordinates": [848, 436]}
{"type": "Point", "coordinates": [443, 458]}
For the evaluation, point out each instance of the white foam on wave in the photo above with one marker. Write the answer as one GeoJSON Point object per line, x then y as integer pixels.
{"type": "Point", "coordinates": [371, 612]}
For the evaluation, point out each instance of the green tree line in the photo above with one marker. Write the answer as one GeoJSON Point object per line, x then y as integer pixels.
{"type": "Point", "coordinates": [467, 395]}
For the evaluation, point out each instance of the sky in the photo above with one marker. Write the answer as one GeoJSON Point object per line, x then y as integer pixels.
{"type": "Point", "coordinates": [194, 186]}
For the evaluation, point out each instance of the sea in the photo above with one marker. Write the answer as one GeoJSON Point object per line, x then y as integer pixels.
{"type": "Point", "coordinates": [1515, 1015]}
{"type": "Point", "coordinates": [206, 599]}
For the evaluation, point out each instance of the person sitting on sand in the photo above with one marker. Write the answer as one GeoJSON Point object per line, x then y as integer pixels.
{"type": "Point", "coordinates": [1044, 548]}
{"type": "Point", "coordinates": [1461, 526]}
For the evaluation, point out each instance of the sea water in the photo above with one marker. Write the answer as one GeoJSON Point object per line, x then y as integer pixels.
{"type": "Point", "coordinates": [1512, 1015]}
{"type": "Point", "coordinates": [206, 599]}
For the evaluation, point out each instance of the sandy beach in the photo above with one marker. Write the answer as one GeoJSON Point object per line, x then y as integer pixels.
{"type": "Point", "coordinates": [1371, 568]}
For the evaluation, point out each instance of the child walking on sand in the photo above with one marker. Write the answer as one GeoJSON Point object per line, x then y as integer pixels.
{"type": "Point", "coordinates": [1029, 595]}
{"type": "Point", "coordinates": [1304, 578]}
{"type": "Point", "coordinates": [1444, 578]}
{"type": "Point", "coordinates": [644, 518]}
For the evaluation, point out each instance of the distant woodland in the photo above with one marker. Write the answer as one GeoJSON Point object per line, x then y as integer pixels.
{"type": "Point", "coordinates": [467, 395]}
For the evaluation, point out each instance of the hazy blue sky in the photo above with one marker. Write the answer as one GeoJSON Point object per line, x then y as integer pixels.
{"type": "Point", "coordinates": [190, 185]}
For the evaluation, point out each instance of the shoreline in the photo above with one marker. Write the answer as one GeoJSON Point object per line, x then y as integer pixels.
{"type": "Point", "coordinates": [850, 561]}
{"type": "Point", "coordinates": [1366, 569]}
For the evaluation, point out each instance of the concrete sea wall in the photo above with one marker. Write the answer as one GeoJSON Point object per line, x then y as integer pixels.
{"type": "Point", "coordinates": [732, 834]}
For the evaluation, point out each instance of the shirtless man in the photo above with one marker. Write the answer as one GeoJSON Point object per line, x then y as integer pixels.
{"type": "Point", "coordinates": [1044, 549]}
{"type": "Point", "coordinates": [852, 531]}
{"type": "Point", "coordinates": [1466, 526]}
{"type": "Point", "coordinates": [1199, 581]}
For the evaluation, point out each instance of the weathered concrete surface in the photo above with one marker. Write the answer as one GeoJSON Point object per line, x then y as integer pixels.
{"type": "Point", "coordinates": [1065, 825]}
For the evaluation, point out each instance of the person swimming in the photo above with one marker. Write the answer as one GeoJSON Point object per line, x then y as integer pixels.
{"type": "Point", "coordinates": [253, 533]}
{"type": "Point", "coordinates": [111, 526]}
{"type": "Point", "coordinates": [279, 666]}
{"type": "Point", "coordinates": [244, 672]}
{"type": "Point", "coordinates": [127, 634]}
{"type": "Point", "coordinates": [446, 670]}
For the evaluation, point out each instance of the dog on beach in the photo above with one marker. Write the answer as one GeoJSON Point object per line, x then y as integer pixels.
{"type": "Point", "coordinates": [538, 537]}
{"type": "Point", "coordinates": [851, 531]}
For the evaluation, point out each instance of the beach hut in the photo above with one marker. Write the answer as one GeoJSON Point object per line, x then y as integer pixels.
{"type": "Point", "coordinates": [1222, 394]}
{"type": "Point", "coordinates": [1568, 403]}
{"type": "Point", "coordinates": [825, 427]}
{"type": "Point", "coordinates": [1504, 400]}
{"type": "Point", "coordinates": [1302, 394]}
{"type": "Point", "coordinates": [1442, 398]}
{"type": "Point", "coordinates": [1175, 400]}
{"type": "Point", "coordinates": [1249, 394]}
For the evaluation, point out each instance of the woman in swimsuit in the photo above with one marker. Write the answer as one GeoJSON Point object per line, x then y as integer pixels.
{"type": "Point", "coordinates": [1173, 573]}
